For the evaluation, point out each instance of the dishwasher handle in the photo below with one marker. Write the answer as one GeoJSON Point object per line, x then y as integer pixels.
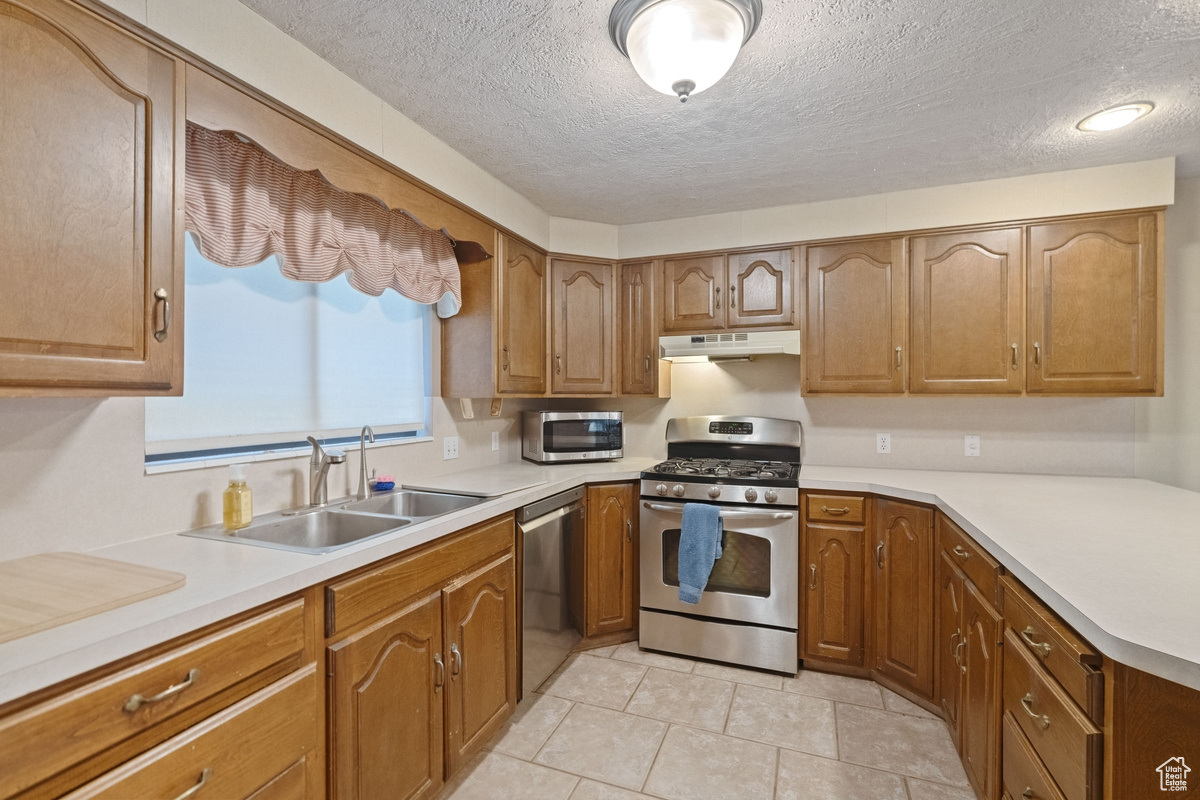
{"type": "Point", "coordinates": [552, 517]}
{"type": "Point", "coordinates": [743, 515]}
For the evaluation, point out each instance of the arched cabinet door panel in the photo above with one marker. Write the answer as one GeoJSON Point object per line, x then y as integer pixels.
{"type": "Point", "coordinates": [521, 345]}
{"type": "Point", "coordinates": [760, 289]}
{"type": "Point", "coordinates": [692, 294]}
{"type": "Point", "coordinates": [1094, 305]}
{"type": "Point", "coordinates": [581, 335]}
{"type": "Point", "coordinates": [90, 224]}
{"type": "Point", "coordinates": [854, 338]}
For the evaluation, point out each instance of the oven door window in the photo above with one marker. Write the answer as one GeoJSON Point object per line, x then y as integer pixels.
{"type": "Point", "coordinates": [744, 566]}
{"type": "Point", "coordinates": [581, 436]}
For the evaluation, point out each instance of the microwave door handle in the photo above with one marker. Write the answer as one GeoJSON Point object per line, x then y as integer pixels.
{"type": "Point", "coordinates": [744, 515]}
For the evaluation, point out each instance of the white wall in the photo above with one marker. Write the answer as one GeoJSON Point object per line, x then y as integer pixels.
{"type": "Point", "coordinates": [1072, 436]}
{"type": "Point", "coordinates": [1168, 427]}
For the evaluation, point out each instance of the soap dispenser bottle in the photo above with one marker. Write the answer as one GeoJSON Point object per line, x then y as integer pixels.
{"type": "Point", "coordinates": [239, 505]}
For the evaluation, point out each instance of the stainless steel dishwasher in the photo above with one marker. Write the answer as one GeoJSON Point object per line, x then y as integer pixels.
{"type": "Point", "coordinates": [551, 530]}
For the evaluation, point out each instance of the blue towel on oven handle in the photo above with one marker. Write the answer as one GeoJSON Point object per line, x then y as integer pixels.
{"type": "Point", "coordinates": [699, 547]}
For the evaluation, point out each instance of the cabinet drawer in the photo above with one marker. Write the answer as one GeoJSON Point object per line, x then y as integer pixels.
{"type": "Point", "coordinates": [354, 600]}
{"type": "Point", "coordinates": [253, 747]}
{"type": "Point", "coordinates": [79, 724]}
{"type": "Point", "coordinates": [1065, 740]}
{"type": "Point", "coordinates": [835, 508]}
{"type": "Point", "coordinates": [983, 570]}
{"type": "Point", "coordinates": [1023, 773]}
{"type": "Point", "coordinates": [1071, 660]}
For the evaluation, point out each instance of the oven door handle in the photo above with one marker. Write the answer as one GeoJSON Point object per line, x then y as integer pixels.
{"type": "Point", "coordinates": [746, 515]}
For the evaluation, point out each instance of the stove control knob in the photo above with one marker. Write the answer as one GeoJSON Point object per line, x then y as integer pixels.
{"type": "Point", "coordinates": [714, 492]}
{"type": "Point", "coordinates": [771, 495]}
{"type": "Point", "coordinates": [677, 490]}
{"type": "Point", "coordinates": [751, 495]}
{"type": "Point", "coordinates": [661, 489]}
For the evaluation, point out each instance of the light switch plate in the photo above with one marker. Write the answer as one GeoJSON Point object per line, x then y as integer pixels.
{"type": "Point", "coordinates": [495, 440]}
{"type": "Point", "coordinates": [883, 443]}
{"type": "Point", "coordinates": [970, 445]}
{"type": "Point", "coordinates": [449, 448]}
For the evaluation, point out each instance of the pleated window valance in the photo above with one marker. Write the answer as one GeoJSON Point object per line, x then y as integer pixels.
{"type": "Point", "coordinates": [245, 205]}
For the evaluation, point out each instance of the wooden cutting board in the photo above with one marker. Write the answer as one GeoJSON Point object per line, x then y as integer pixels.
{"type": "Point", "coordinates": [39, 592]}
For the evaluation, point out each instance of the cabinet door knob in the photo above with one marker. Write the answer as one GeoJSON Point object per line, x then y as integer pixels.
{"type": "Point", "coordinates": [1037, 355]}
{"type": "Point", "coordinates": [160, 297]}
{"type": "Point", "coordinates": [879, 555]}
{"type": "Point", "coordinates": [718, 297]}
{"type": "Point", "coordinates": [897, 357]}
{"type": "Point", "coordinates": [1015, 351]}
{"type": "Point", "coordinates": [733, 297]}
{"type": "Point", "coordinates": [558, 363]}
{"type": "Point", "coordinates": [628, 531]}
{"type": "Point", "coordinates": [440, 680]}
{"type": "Point", "coordinates": [812, 581]}
{"type": "Point", "coordinates": [458, 659]}
{"type": "Point", "coordinates": [504, 366]}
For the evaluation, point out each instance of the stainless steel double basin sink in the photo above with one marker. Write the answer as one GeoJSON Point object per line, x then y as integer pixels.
{"type": "Point", "coordinates": [341, 523]}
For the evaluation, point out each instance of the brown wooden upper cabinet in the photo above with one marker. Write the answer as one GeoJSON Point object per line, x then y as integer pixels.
{"type": "Point", "coordinates": [638, 331]}
{"type": "Point", "coordinates": [857, 308]}
{"type": "Point", "coordinates": [582, 327]}
{"type": "Point", "coordinates": [966, 315]}
{"type": "Point", "coordinates": [91, 229]}
{"type": "Point", "coordinates": [1095, 302]}
{"type": "Point", "coordinates": [738, 290]}
{"type": "Point", "coordinates": [522, 329]}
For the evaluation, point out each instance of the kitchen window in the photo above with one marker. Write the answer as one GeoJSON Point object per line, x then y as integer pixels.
{"type": "Point", "coordinates": [270, 361]}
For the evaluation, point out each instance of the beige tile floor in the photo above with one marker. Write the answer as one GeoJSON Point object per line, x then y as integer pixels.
{"type": "Point", "coordinates": [619, 723]}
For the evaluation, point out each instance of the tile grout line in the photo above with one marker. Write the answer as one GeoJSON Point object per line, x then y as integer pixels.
{"type": "Point", "coordinates": [556, 727]}
{"type": "Point", "coordinates": [657, 752]}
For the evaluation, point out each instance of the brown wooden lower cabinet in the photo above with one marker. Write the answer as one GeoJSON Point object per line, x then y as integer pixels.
{"type": "Point", "coordinates": [980, 669]}
{"type": "Point", "coordinates": [258, 746]}
{"type": "Point", "coordinates": [387, 685]}
{"type": "Point", "coordinates": [416, 694]}
{"type": "Point", "coordinates": [833, 589]}
{"type": "Point", "coordinates": [610, 548]}
{"type": "Point", "coordinates": [904, 595]}
{"type": "Point", "coordinates": [950, 582]}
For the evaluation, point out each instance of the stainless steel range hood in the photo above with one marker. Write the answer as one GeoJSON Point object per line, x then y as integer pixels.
{"type": "Point", "coordinates": [718, 346]}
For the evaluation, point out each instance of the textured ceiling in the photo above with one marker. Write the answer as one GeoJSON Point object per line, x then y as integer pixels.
{"type": "Point", "coordinates": [830, 99]}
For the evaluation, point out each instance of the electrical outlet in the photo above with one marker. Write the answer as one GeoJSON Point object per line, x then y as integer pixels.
{"type": "Point", "coordinates": [883, 443]}
{"type": "Point", "coordinates": [449, 448]}
{"type": "Point", "coordinates": [970, 445]}
{"type": "Point", "coordinates": [495, 440]}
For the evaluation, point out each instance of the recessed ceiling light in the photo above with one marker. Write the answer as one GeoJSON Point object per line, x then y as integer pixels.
{"type": "Point", "coordinates": [1113, 118]}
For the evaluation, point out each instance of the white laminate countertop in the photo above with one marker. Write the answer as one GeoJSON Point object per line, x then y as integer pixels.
{"type": "Point", "coordinates": [1117, 558]}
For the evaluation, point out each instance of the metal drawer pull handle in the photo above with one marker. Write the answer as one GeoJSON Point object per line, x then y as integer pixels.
{"type": "Point", "coordinates": [458, 659]}
{"type": "Point", "coordinates": [732, 297]}
{"type": "Point", "coordinates": [1037, 355]}
{"type": "Point", "coordinates": [957, 649]}
{"type": "Point", "coordinates": [718, 297]}
{"type": "Point", "coordinates": [205, 774]}
{"type": "Point", "coordinates": [628, 531]}
{"type": "Point", "coordinates": [504, 366]}
{"type": "Point", "coordinates": [742, 515]}
{"type": "Point", "coordinates": [897, 358]}
{"type": "Point", "coordinates": [960, 552]}
{"type": "Point", "coordinates": [440, 680]}
{"type": "Point", "coordinates": [835, 512]}
{"type": "Point", "coordinates": [1041, 648]}
{"type": "Point", "coordinates": [160, 295]}
{"type": "Point", "coordinates": [1026, 702]}
{"type": "Point", "coordinates": [953, 649]}
{"type": "Point", "coordinates": [558, 364]}
{"type": "Point", "coordinates": [812, 568]}
{"type": "Point", "coordinates": [1014, 347]}
{"type": "Point", "coordinates": [647, 365]}
{"type": "Point", "coordinates": [137, 701]}
{"type": "Point", "coordinates": [879, 555]}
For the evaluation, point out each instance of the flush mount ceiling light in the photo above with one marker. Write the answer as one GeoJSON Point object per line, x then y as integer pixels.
{"type": "Point", "coordinates": [682, 47]}
{"type": "Point", "coordinates": [1113, 118]}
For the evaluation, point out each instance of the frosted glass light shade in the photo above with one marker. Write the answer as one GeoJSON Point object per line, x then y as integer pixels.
{"type": "Point", "coordinates": [682, 47]}
{"type": "Point", "coordinates": [1113, 118]}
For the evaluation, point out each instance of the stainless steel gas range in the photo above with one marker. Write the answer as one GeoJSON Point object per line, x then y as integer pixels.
{"type": "Point", "coordinates": [748, 614]}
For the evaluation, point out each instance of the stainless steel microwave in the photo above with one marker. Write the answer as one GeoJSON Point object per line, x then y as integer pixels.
{"type": "Point", "coordinates": [551, 437]}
